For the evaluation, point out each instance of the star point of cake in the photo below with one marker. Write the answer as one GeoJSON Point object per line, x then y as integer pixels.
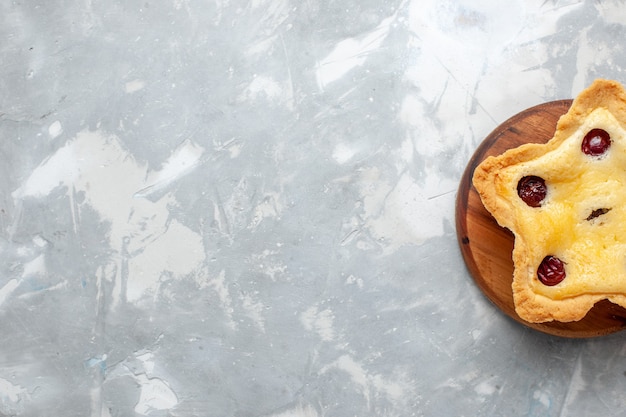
{"type": "Point", "coordinates": [565, 202]}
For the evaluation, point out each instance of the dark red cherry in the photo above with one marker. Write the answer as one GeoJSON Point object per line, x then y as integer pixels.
{"type": "Point", "coordinates": [596, 142]}
{"type": "Point", "coordinates": [532, 190]}
{"type": "Point", "coordinates": [551, 271]}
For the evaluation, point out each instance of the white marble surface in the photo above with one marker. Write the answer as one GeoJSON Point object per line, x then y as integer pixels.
{"type": "Point", "coordinates": [246, 208]}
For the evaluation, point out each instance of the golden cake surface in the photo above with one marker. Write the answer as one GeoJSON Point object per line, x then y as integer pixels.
{"type": "Point", "coordinates": [565, 202]}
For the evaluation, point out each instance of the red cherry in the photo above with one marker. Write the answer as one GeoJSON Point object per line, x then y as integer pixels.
{"type": "Point", "coordinates": [551, 271]}
{"type": "Point", "coordinates": [532, 190]}
{"type": "Point", "coordinates": [596, 142]}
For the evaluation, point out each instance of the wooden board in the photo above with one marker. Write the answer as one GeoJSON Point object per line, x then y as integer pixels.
{"type": "Point", "coordinates": [487, 247]}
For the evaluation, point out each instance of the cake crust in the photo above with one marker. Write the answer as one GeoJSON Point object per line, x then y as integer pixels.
{"type": "Point", "coordinates": [496, 178]}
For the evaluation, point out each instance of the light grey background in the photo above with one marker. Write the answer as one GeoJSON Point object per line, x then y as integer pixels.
{"type": "Point", "coordinates": [246, 208]}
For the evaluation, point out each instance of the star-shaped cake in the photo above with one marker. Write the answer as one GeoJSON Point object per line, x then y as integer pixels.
{"type": "Point", "coordinates": [565, 202]}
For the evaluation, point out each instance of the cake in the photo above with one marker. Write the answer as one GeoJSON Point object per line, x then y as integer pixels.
{"type": "Point", "coordinates": [565, 203]}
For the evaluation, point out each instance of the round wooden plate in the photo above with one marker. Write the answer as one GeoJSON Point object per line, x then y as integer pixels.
{"type": "Point", "coordinates": [487, 247]}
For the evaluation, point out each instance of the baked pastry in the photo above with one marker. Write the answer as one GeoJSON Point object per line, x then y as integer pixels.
{"type": "Point", "coordinates": [565, 202]}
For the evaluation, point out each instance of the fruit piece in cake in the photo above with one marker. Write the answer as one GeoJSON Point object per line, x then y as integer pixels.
{"type": "Point", "coordinates": [565, 202]}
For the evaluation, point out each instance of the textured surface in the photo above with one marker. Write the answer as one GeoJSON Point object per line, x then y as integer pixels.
{"type": "Point", "coordinates": [230, 208]}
